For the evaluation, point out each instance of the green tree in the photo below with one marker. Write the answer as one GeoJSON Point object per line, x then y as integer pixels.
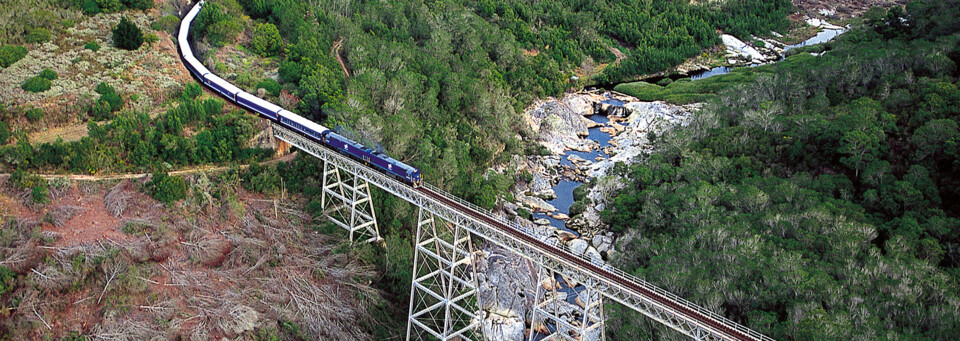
{"type": "Point", "coordinates": [126, 35]}
{"type": "Point", "coordinates": [10, 54]}
{"type": "Point", "coordinates": [166, 188]}
{"type": "Point", "coordinates": [266, 40]}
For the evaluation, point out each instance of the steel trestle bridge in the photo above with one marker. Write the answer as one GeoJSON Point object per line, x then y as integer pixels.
{"type": "Point", "coordinates": [444, 301]}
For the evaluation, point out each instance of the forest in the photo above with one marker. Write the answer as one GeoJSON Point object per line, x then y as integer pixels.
{"type": "Point", "coordinates": [816, 198]}
{"type": "Point", "coordinates": [654, 35]}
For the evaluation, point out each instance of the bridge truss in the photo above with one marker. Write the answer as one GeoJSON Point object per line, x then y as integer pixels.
{"type": "Point", "coordinates": [446, 288]}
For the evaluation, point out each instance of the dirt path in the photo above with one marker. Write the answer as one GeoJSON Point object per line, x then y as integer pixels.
{"type": "Point", "coordinates": [335, 50]}
{"type": "Point", "coordinates": [77, 177]}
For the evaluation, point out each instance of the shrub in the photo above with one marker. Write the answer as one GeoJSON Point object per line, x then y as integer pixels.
{"type": "Point", "coordinates": [138, 4]}
{"type": "Point", "coordinates": [192, 90]}
{"type": "Point", "coordinates": [126, 35]}
{"type": "Point", "coordinates": [49, 74]}
{"type": "Point", "coordinates": [89, 7]}
{"type": "Point", "coordinates": [103, 88]}
{"type": "Point", "coordinates": [10, 54]}
{"type": "Point", "coordinates": [34, 114]}
{"type": "Point", "coordinates": [39, 194]}
{"type": "Point", "coordinates": [7, 277]}
{"type": "Point", "coordinates": [4, 133]}
{"type": "Point", "coordinates": [67, 23]}
{"type": "Point", "coordinates": [166, 188]}
{"type": "Point", "coordinates": [168, 23]}
{"type": "Point", "coordinates": [272, 86]}
{"type": "Point", "coordinates": [101, 111]}
{"type": "Point", "coordinates": [266, 40]}
{"type": "Point", "coordinates": [151, 38]}
{"type": "Point", "coordinates": [115, 101]}
{"type": "Point", "coordinates": [110, 6]}
{"type": "Point", "coordinates": [36, 84]}
{"type": "Point", "coordinates": [92, 46]}
{"type": "Point", "coordinates": [37, 35]}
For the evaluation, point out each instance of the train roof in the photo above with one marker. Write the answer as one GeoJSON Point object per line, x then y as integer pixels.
{"type": "Point", "coordinates": [223, 83]}
{"type": "Point", "coordinates": [261, 102]}
{"type": "Point", "coordinates": [302, 121]}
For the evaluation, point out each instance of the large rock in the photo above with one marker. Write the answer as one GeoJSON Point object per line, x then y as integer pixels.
{"type": "Point", "coordinates": [738, 47]}
{"type": "Point", "coordinates": [497, 327]}
{"type": "Point", "coordinates": [542, 188]}
{"type": "Point", "coordinates": [557, 124]}
{"type": "Point", "coordinates": [537, 204]}
{"type": "Point", "coordinates": [580, 104]}
{"type": "Point", "coordinates": [578, 246]}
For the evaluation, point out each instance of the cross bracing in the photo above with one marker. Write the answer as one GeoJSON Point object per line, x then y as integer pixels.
{"type": "Point", "coordinates": [654, 302]}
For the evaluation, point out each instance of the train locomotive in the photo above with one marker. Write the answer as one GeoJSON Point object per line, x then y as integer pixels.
{"type": "Point", "coordinates": [285, 118]}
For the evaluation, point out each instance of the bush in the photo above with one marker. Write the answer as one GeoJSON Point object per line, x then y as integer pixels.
{"type": "Point", "coordinates": [34, 114]}
{"type": "Point", "coordinates": [4, 133]}
{"type": "Point", "coordinates": [103, 88]}
{"type": "Point", "coordinates": [67, 23]}
{"type": "Point", "coordinates": [266, 40]}
{"type": "Point", "coordinates": [48, 74]}
{"type": "Point", "coordinates": [126, 35]}
{"type": "Point", "coordinates": [192, 90]}
{"type": "Point", "coordinates": [168, 23]}
{"type": "Point", "coordinates": [272, 86]}
{"type": "Point", "coordinates": [151, 38]}
{"type": "Point", "coordinates": [138, 4]}
{"type": "Point", "coordinates": [37, 35]}
{"type": "Point", "coordinates": [166, 188]}
{"type": "Point", "coordinates": [7, 277]}
{"type": "Point", "coordinates": [110, 6]}
{"type": "Point", "coordinates": [92, 46]}
{"type": "Point", "coordinates": [39, 194]}
{"type": "Point", "coordinates": [10, 54]}
{"type": "Point", "coordinates": [101, 111]}
{"type": "Point", "coordinates": [89, 7]}
{"type": "Point", "coordinates": [113, 99]}
{"type": "Point", "coordinates": [36, 84]}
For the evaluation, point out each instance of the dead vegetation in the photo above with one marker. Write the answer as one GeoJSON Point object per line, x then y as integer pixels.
{"type": "Point", "coordinates": [223, 263]}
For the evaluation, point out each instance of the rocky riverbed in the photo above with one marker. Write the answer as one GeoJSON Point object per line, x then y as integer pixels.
{"type": "Point", "coordinates": [586, 135]}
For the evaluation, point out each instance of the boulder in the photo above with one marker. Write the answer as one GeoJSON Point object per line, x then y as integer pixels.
{"type": "Point", "coordinates": [557, 125]}
{"type": "Point", "coordinates": [593, 255]}
{"type": "Point", "coordinates": [541, 188]}
{"type": "Point", "coordinates": [497, 327]}
{"type": "Point", "coordinates": [578, 246]}
{"type": "Point", "coordinates": [561, 216]}
{"type": "Point", "coordinates": [574, 158]}
{"type": "Point", "coordinates": [542, 221]}
{"type": "Point", "coordinates": [740, 48]}
{"type": "Point", "coordinates": [580, 104]}
{"type": "Point", "coordinates": [537, 204]}
{"type": "Point", "coordinates": [565, 236]}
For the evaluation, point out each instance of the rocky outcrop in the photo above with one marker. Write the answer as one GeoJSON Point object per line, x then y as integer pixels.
{"type": "Point", "coordinates": [505, 292]}
{"type": "Point", "coordinates": [542, 188]}
{"type": "Point", "coordinates": [559, 128]}
{"type": "Point", "coordinates": [536, 204]}
{"type": "Point", "coordinates": [736, 47]}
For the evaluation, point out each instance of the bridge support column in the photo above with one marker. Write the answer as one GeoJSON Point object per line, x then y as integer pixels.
{"type": "Point", "coordinates": [564, 313]}
{"type": "Point", "coordinates": [444, 304]}
{"type": "Point", "coordinates": [347, 203]}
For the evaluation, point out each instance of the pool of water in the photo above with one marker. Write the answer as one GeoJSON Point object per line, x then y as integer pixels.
{"type": "Point", "coordinates": [565, 187]}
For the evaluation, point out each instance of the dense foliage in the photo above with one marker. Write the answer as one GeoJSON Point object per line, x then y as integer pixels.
{"type": "Point", "coordinates": [266, 40]}
{"type": "Point", "coordinates": [126, 35]}
{"type": "Point", "coordinates": [167, 189]}
{"type": "Point", "coordinates": [92, 7]}
{"type": "Point", "coordinates": [36, 84]}
{"type": "Point", "coordinates": [655, 35]}
{"type": "Point", "coordinates": [10, 54]}
{"type": "Point", "coordinates": [817, 198]}
{"type": "Point", "coordinates": [219, 22]}
{"type": "Point", "coordinates": [133, 141]}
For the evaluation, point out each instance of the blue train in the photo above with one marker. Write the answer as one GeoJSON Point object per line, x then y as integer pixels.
{"type": "Point", "coordinates": [273, 112]}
